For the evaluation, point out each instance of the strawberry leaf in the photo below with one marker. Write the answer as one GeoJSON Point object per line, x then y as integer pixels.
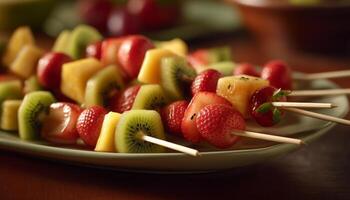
{"type": "Point", "coordinates": [278, 94]}
{"type": "Point", "coordinates": [276, 115]}
{"type": "Point", "coordinates": [264, 108]}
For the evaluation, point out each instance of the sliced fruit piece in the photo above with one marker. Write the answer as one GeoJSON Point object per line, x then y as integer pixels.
{"type": "Point", "coordinates": [225, 67]}
{"type": "Point", "coordinates": [126, 99]}
{"type": "Point", "coordinates": [175, 45]}
{"type": "Point", "coordinates": [132, 125]}
{"type": "Point", "coordinates": [102, 86]}
{"type": "Point", "coordinates": [10, 90]}
{"type": "Point", "coordinates": [150, 69]}
{"type": "Point", "coordinates": [9, 117]}
{"type": "Point", "coordinates": [59, 126]}
{"type": "Point", "coordinates": [201, 99]}
{"type": "Point", "coordinates": [75, 75]}
{"type": "Point", "coordinates": [89, 124]}
{"type": "Point", "coordinates": [176, 77]}
{"type": "Point", "coordinates": [149, 97]}
{"type": "Point", "coordinates": [21, 37]}
{"type": "Point", "coordinates": [216, 123]}
{"type": "Point", "coordinates": [50, 68]}
{"type": "Point", "coordinates": [203, 57]}
{"type": "Point", "coordinates": [62, 42]}
{"type": "Point", "coordinates": [239, 89]}
{"type": "Point", "coordinates": [172, 116]}
{"type": "Point", "coordinates": [246, 69]}
{"type": "Point", "coordinates": [106, 141]}
{"type": "Point", "coordinates": [278, 74]}
{"type": "Point", "coordinates": [80, 38]}
{"type": "Point", "coordinates": [205, 81]}
{"type": "Point", "coordinates": [32, 84]}
{"type": "Point", "coordinates": [132, 52]}
{"type": "Point", "coordinates": [25, 63]}
{"type": "Point", "coordinates": [109, 50]}
{"type": "Point", "coordinates": [35, 105]}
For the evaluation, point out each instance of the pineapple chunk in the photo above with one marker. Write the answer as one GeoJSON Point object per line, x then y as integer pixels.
{"type": "Point", "coordinates": [9, 121]}
{"type": "Point", "coordinates": [176, 45]}
{"type": "Point", "coordinates": [239, 89]}
{"type": "Point", "coordinates": [21, 37]}
{"type": "Point", "coordinates": [106, 141]}
{"type": "Point", "coordinates": [75, 76]}
{"type": "Point", "coordinates": [26, 61]}
{"type": "Point", "coordinates": [150, 69]}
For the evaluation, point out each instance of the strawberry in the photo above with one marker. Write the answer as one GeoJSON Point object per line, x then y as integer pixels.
{"type": "Point", "coordinates": [201, 99]}
{"type": "Point", "coordinates": [172, 116]}
{"type": "Point", "coordinates": [126, 99]}
{"type": "Point", "coordinates": [245, 69]}
{"type": "Point", "coordinates": [89, 124]}
{"type": "Point", "coordinates": [131, 53]}
{"type": "Point", "coordinates": [205, 81]}
{"type": "Point", "coordinates": [59, 125]}
{"type": "Point", "coordinates": [198, 57]}
{"type": "Point", "coordinates": [94, 50]}
{"type": "Point", "coordinates": [279, 74]}
{"type": "Point", "coordinates": [216, 122]}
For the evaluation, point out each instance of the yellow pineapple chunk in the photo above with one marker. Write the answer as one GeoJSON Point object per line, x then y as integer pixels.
{"type": "Point", "coordinates": [150, 69]}
{"type": "Point", "coordinates": [239, 89]}
{"type": "Point", "coordinates": [106, 141]}
{"type": "Point", "coordinates": [176, 45]}
{"type": "Point", "coordinates": [75, 75]}
{"type": "Point", "coordinates": [26, 61]}
{"type": "Point", "coordinates": [9, 117]}
{"type": "Point", "coordinates": [21, 37]}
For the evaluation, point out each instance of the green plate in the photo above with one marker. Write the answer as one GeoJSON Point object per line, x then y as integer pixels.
{"type": "Point", "coordinates": [246, 152]}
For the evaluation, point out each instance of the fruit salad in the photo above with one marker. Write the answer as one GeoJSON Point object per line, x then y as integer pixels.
{"type": "Point", "coordinates": [108, 93]}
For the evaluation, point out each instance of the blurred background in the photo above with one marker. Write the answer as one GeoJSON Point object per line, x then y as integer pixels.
{"type": "Point", "coordinates": [278, 26]}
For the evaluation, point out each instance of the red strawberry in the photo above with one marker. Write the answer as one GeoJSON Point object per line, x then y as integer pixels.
{"type": "Point", "coordinates": [89, 124]}
{"type": "Point", "coordinates": [246, 69]}
{"type": "Point", "coordinates": [205, 81]}
{"type": "Point", "coordinates": [59, 125]}
{"type": "Point", "coordinates": [216, 122]}
{"type": "Point", "coordinates": [94, 50]}
{"type": "Point", "coordinates": [279, 74]}
{"type": "Point", "coordinates": [198, 57]}
{"type": "Point", "coordinates": [201, 99]}
{"type": "Point", "coordinates": [132, 52]}
{"type": "Point", "coordinates": [126, 99]}
{"type": "Point", "coordinates": [49, 69]}
{"type": "Point", "coordinates": [172, 116]}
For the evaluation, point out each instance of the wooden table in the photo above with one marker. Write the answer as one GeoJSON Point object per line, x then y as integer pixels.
{"type": "Point", "coordinates": [318, 171]}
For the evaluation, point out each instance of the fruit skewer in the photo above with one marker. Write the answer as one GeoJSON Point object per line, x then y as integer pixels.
{"type": "Point", "coordinates": [324, 75]}
{"type": "Point", "coordinates": [318, 116]}
{"type": "Point", "coordinates": [302, 105]}
{"type": "Point", "coordinates": [324, 92]}
{"type": "Point", "coordinates": [268, 137]}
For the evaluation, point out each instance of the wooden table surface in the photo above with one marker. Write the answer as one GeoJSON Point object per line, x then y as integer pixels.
{"type": "Point", "coordinates": [317, 171]}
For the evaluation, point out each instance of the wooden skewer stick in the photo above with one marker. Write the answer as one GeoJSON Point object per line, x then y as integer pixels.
{"type": "Point", "coordinates": [268, 137]}
{"type": "Point", "coordinates": [318, 116]}
{"type": "Point", "coordinates": [319, 92]}
{"type": "Point", "coordinates": [302, 105]}
{"type": "Point", "coordinates": [170, 145]}
{"type": "Point", "coordinates": [324, 75]}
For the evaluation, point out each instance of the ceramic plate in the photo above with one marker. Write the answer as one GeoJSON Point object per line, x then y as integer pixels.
{"type": "Point", "coordinates": [245, 152]}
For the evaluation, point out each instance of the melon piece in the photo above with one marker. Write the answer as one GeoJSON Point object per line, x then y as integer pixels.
{"type": "Point", "coordinates": [239, 89]}
{"type": "Point", "coordinates": [106, 139]}
{"type": "Point", "coordinates": [150, 69]}
{"type": "Point", "coordinates": [176, 45]}
{"type": "Point", "coordinates": [22, 36]}
{"type": "Point", "coordinates": [75, 75]}
{"type": "Point", "coordinates": [26, 61]}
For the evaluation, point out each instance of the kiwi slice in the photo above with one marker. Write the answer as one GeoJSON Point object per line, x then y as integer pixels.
{"type": "Point", "coordinates": [132, 125]}
{"type": "Point", "coordinates": [33, 108]}
{"type": "Point", "coordinates": [149, 97]}
{"type": "Point", "coordinates": [32, 84]}
{"type": "Point", "coordinates": [219, 54]}
{"type": "Point", "coordinates": [61, 42]}
{"type": "Point", "coordinates": [176, 76]}
{"type": "Point", "coordinates": [9, 119]}
{"type": "Point", "coordinates": [80, 37]}
{"type": "Point", "coordinates": [102, 86]}
{"type": "Point", "coordinates": [225, 68]}
{"type": "Point", "coordinates": [10, 90]}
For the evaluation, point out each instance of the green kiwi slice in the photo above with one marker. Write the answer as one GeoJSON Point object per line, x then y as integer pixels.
{"type": "Point", "coordinates": [102, 86]}
{"type": "Point", "coordinates": [33, 108]}
{"type": "Point", "coordinates": [135, 123]}
{"type": "Point", "coordinates": [219, 54]}
{"type": "Point", "coordinates": [176, 76]}
{"type": "Point", "coordinates": [149, 97]}
{"type": "Point", "coordinates": [9, 117]}
{"type": "Point", "coordinates": [61, 42]}
{"type": "Point", "coordinates": [80, 37]}
{"type": "Point", "coordinates": [225, 67]}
